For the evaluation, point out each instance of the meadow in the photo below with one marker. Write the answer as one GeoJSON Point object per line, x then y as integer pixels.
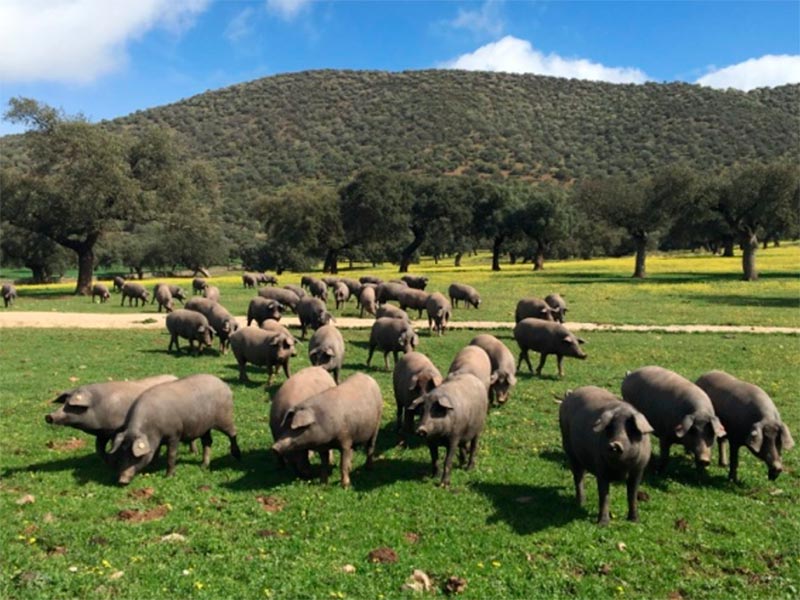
{"type": "Point", "coordinates": [509, 528]}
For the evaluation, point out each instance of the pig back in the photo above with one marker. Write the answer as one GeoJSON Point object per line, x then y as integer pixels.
{"type": "Point", "coordinates": [409, 366]}
{"type": "Point", "coordinates": [302, 385]}
{"type": "Point", "coordinates": [351, 410]}
{"type": "Point", "coordinates": [499, 355]}
{"type": "Point", "coordinates": [474, 360]}
{"type": "Point", "coordinates": [467, 394]}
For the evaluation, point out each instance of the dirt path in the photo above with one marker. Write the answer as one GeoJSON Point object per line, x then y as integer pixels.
{"type": "Point", "coordinates": [10, 319]}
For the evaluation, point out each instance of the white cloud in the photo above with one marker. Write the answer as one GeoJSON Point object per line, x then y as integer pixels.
{"type": "Point", "coordinates": [287, 9]}
{"type": "Point", "coordinates": [486, 19]}
{"type": "Point", "coordinates": [767, 71]}
{"type": "Point", "coordinates": [80, 40]}
{"type": "Point", "coordinates": [240, 26]}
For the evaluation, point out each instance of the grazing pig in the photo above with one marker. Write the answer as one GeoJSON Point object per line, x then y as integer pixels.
{"type": "Point", "coordinates": [414, 375]}
{"type": "Point", "coordinates": [170, 413]}
{"type": "Point", "coordinates": [391, 335]}
{"type": "Point", "coordinates": [439, 312]}
{"type": "Point", "coordinates": [221, 321]}
{"type": "Point", "coordinates": [558, 307]}
{"type": "Point", "coordinates": [504, 370]}
{"type": "Point", "coordinates": [607, 437]}
{"type": "Point", "coordinates": [417, 282]}
{"type": "Point", "coordinates": [211, 292]}
{"type": "Point", "coordinates": [302, 385]}
{"type": "Point", "coordinates": [198, 285]}
{"type": "Point", "coordinates": [546, 337]}
{"type": "Point", "coordinates": [117, 282]}
{"type": "Point", "coordinates": [263, 348]}
{"type": "Point", "coordinates": [285, 296]}
{"type": "Point", "coordinates": [384, 292]}
{"type": "Point", "coordinates": [473, 360]}
{"type": "Point", "coordinates": [261, 309]}
{"type": "Point", "coordinates": [341, 294]}
{"type": "Point", "coordinates": [367, 301]}
{"type": "Point", "coordinates": [312, 313]}
{"type": "Point", "coordinates": [453, 415]}
{"type": "Point", "coordinates": [274, 326]}
{"type": "Point", "coordinates": [466, 293]}
{"type": "Point", "coordinates": [679, 411]}
{"type": "Point", "coordinates": [370, 279]}
{"type": "Point", "coordinates": [413, 298]}
{"type": "Point", "coordinates": [318, 289]}
{"type": "Point", "coordinates": [264, 279]}
{"type": "Point", "coordinates": [331, 281]}
{"type": "Point", "coordinates": [163, 296]}
{"type": "Point", "coordinates": [750, 419]}
{"type": "Point", "coordinates": [190, 325]}
{"type": "Point", "coordinates": [352, 285]}
{"type": "Point", "coordinates": [99, 409]}
{"type": "Point", "coordinates": [326, 349]}
{"type": "Point", "coordinates": [248, 280]}
{"type": "Point", "coordinates": [535, 308]}
{"type": "Point", "coordinates": [392, 312]}
{"type": "Point", "coordinates": [177, 292]}
{"type": "Point", "coordinates": [337, 418]}
{"type": "Point", "coordinates": [98, 290]}
{"type": "Point", "coordinates": [300, 292]}
{"type": "Point", "coordinates": [134, 291]}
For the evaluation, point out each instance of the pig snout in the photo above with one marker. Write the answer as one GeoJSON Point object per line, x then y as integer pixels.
{"type": "Point", "coordinates": [422, 431]}
{"type": "Point", "coordinates": [282, 446]}
{"type": "Point", "coordinates": [615, 447]}
{"type": "Point", "coordinates": [48, 419]}
{"type": "Point", "coordinates": [774, 471]}
{"type": "Point", "coordinates": [126, 476]}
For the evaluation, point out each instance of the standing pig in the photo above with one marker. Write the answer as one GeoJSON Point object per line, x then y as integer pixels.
{"type": "Point", "coordinates": [535, 308]}
{"type": "Point", "coordinates": [384, 292]}
{"type": "Point", "coordinates": [546, 337]}
{"type": "Point", "coordinates": [418, 282]}
{"type": "Point", "coordinates": [211, 292]}
{"type": "Point", "coordinates": [439, 312]}
{"type": "Point", "coordinates": [391, 335]}
{"type": "Point", "coordinates": [453, 415]}
{"type": "Point", "coordinates": [413, 298]}
{"type": "Point", "coordinates": [475, 361]}
{"type": "Point", "coordinates": [170, 413]}
{"type": "Point", "coordinates": [607, 437]}
{"type": "Point", "coordinates": [134, 291]}
{"type": "Point", "coordinates": [261, 309]}
{"type": "Point", "coordinates": [414, 375]}
{"type": "Point", "coordinates": [341, 293]}
{"type": "Point", "coordinates": [299, 292]}
{"type": "Point", "coordinates": [221, 321]}
{"type": "Point", "coordinates": [248, 280]}
{"type": "Point", "coordinates": [190, 325]}
{"type": "Point", "coordinates": [370, 279]}
{"type": "Point", "coordinates": [393, 312]}
{"type": "Point", "coordinates": [465, 293]}
{"type": "Point", "coordinates": [101, 291]}
{"type": "Point", "coordinates": [367, 300]}
{"type": "Point", "coordinates": [679, 411]}
{"type": "Point", "coordinates": [302, 385]}
{"type": "Point", "coordinates": [118, 283]}
{"type": "Point", "coordinates": [504, 370]}
{"type": "Point", "coordinates": [163, 296]}
{"type": "Point", "coordinates": [312, 313]}
{"type": "Point", "coordinates": [326, 349]}
{"type": "Point", "coordinates": [750, 419]}
{"type": "Point", "coordinates": [99, 409]}
{"type": "Point", "coordinates": [285, 296]}
{"type": "Point", "coordinates": [558, 307]}
{"type": "Point", "coordinates": [264, 279]}
{"type": "Point", "coordinates": [318, 289]}
{"type": "Point", "coordinates": [341, 418]}
{"type": "Point", "coordinates": [177, 292]}
{"type": "Point", "coordinates": [262, 348]}
{"type": "Point", "coordinates": [198, 285]}
{"type": "Point", "coordinates": [352, 285]}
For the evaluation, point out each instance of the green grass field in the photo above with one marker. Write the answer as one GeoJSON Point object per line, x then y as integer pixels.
{"type": "Point", "coordinates": [510, 528]}
{"type": "Point", "coordinates": [681, 289]}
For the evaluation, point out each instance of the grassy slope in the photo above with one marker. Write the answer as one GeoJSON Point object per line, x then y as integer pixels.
{"type": "Point", "coordinates": [687, 288]}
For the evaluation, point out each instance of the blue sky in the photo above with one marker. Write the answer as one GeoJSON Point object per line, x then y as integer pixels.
{"type": "Point", "coordinates": [107, 58]}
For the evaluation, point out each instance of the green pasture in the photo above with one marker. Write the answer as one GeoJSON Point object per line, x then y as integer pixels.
{"type": "Point", "coordinates": [681, 288]}
{"type": "Point", "coordinates": [509, 529]}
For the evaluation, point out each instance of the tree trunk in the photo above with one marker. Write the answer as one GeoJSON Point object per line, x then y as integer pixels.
{"type": "Point", "coordinates": [728, 245]}
{"type": "Point", "coordinates": [408, 251]}
{"type": "Point", "coordinates": [458, 259]}
{"type": "Point", "coordinates": [85, 269]}
{"type": "Point", "coordinates": [538, 261]}
{"type": "Point", "coordinates": [436, 259]}
{"type": "Point", "coordinates": [749, 248]}
{"type": "Point", "coordinates": [496, 247]}
{"type": "Point", "coordinates": [331, 264]}
{"type": "Point", "coordinates": [39, 274]}
{"type": "Point", "coordinates": [640, 272]}
{"type": "Point", "coordinates": [512, 258]}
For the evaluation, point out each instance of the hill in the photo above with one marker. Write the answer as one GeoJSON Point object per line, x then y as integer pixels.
{"type": "Point", "coordinates": [329, 124]}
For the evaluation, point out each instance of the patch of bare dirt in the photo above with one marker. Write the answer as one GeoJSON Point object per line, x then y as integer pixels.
{"type": "Point", "coordinates": [142, 516]}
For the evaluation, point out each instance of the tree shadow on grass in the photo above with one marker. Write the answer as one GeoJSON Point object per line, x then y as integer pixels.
{"type": "Point", "coordinates": [735, 300]}
{"type": "Point", "coordinates": [184, 353]}
{"type": "Point", "coordinates": [388, 471]}
{"type": "Point", "coordinates": [529, 508]}
{"type": "Point", "coordinates": [260, 470]}
{"type": "Point", "coordinates": [85, 469]}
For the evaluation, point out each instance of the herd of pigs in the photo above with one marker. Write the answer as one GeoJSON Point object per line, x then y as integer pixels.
{"type": "Point", "coordinates": [313, 411]}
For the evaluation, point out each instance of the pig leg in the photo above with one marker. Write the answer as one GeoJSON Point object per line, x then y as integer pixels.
{"type": "Point", "coordinates": [325, 469]}
{"type": "Point", "coordinates": [206, 440]}
{"type": "Point", "coordinates": [371, 450]}
{"type": "Point", "coordinates": [100, 443]}
{"type": "Point", "coordinates": [448, 463]}
{"type": "Point", "coordinates": [734, 451]}
{"type": "Point", "coordinates": [542, 360]}
{"type": "Point", "coordinates": [602, 491]}
{"type": "Point", "coordinates": [723, 458]}
{"type": "Point", "coordinates": [523, 355]}
{"type": "Point", "coordinates": [634, 479]}
{"type": "Point", "coordinates": [402, 416]}
{"type": "Point", "coordinates": [288, 372]}
{"type": "Point", "coordinates": [174, 340]}
{"type": "Point", "coordinates": [578, 473]}
{"type": "Point", "coordinates": [665, 444]}
{"type": "Point", "coordinates": [172, 455]}
{"type": "Point", "coordinates": [434, 450]}
{"type": "Point", "coordinates": [473, 449]}
{"type": "Point", "coordinates": [386, 360]}
{"type": "Point", "coordinates": [369, 356]}
{"type": "Point", "coordinates": [243, 371]}
{"type": "Point", "coordinates": [560, 359]}
{"type": "Point", "coordinates": [346, 463]}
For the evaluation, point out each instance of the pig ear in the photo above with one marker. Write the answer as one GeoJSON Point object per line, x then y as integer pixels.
{"type": "Point", "coordinates": [642, 424]}
{"type": "Point", "coordinates": [141, 446]}
{"type": "Point", "coordinates": [787, 443]}
{"type": "Point", "coordinates": [567, 339]}
{"type": "Point", "coordinates": [511, 379]}
{"type": "Point", "coordinates": [416, 402]}
{"type": "Point", "coordinates": [719, 430]}
{"type": "Point", "coordinates": [303, 418]}
{"type": "Point", "coordinates": [118, 439]}
{"type": "Point", "coordinates": [581, 340]}
{"type": "Point", "coordinates": [493, 378]}
{"type": "Point", "coordinates": [329, 352]}
{"type": "Point", "coordinates": [603, 421]}
{"type": "Point", "coordinates": [413, 382]}
{"type": "Point", "coordinates": [201, 329]}
{"type": "Point", "coordinates": [79, 399]}
{"type": "Point", "coordinates": [444, 402]}
{"type": "Point", "coordinates": [756, 437]}
{"type": "Point", "coordinates": [683, 427]}
{"type": "Point", "coordinates": [62, 398]}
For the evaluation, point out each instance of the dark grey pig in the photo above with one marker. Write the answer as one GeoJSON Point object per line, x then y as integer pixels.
{"type": "Point", "coordinates": [391, 335]}
{"type": "Point", "coordinates": [302, 385]}
{"type": "Point", "coordinates": [607, 437]}
{"type": "Point", "coordinates": [100, 291]}
{"type": "Point", "coordinates": [341, 293]}
{"type": "Point", "coordinates": [439, 312]}
{"type": "Point", "coordinates": [211, 292]}
{"type": "Point", "coordinates": [299, 292]}
{"type": "Point", "coordinates": [100, 409]}
{"type": "Point", "coordinates": [190, 325]}
{"type": "Point", "coordinates": [261, 309]}
{"type": "Point", "coordinates": [326, 349]}
{"type": "Point", "coordinates": [198, 285]}
{"type": "Point", "coordinates": [453, 416]}
{"type": "Point", "coordinates": [418, 282]}
{"type": "Point", "coordinates": [9, 293]}
{"type": "Point", "coordinates": [338, 418]}
{"type": "Point", "coordinates": [750, 419]}
{"type": "Point", "coordinates": [392, 312]}
{"type": "Point", "coordinates": [370, 279]}
{"type": "Point", "coordinates": [170, 413]}
{"type": "Point", "coordinates": [221, 321]}
{"type": "Point", "coordinates": [262, 348]}
{"type": "Point", "coordinates": [679, 411]}
{"type": "Point", "coordinates": [473, 360]}
{"type": "Point", "coordinates": [177, 292]}
{"type": "Point", "coordinates": [384, 292]}
{"type": "Point", "coordinates": [312, 313]}
{"type": "Point", "coordinates": [352, 285]}
{"type": "Point", "coordinates": [118, 283]}
{"type": "Point", "coordinates": [264, 279]}
{"type": "Point", "coordinates": [134, 291]}
{"type": "Point", "coordinates": [285, 296]}
{"type": "Point", "coordinates": [330, 280]}
{"type": "Point", "coordinates": [558, 306]}
{"type": "Point", "coordinates": [318, 289]}
{"type": "Point", "coordinates": [413, 298]}
{"type": "Point", "coordinates": [533, 308]}
{"type": "Point", "coordinates": [504, 370]}
{"type": "Point", "coordinates": [546, 337]}
{"type": "Point", "coordinates": [367, 300]}
{"type": "Point", "coordinates": [414, 375]}
{"type": "Point", "coordinates": [163, 296]}
{"type": "Point", "coordinates": [465, 293]}
{"type": "Point", "coordinates": [248, 280]}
